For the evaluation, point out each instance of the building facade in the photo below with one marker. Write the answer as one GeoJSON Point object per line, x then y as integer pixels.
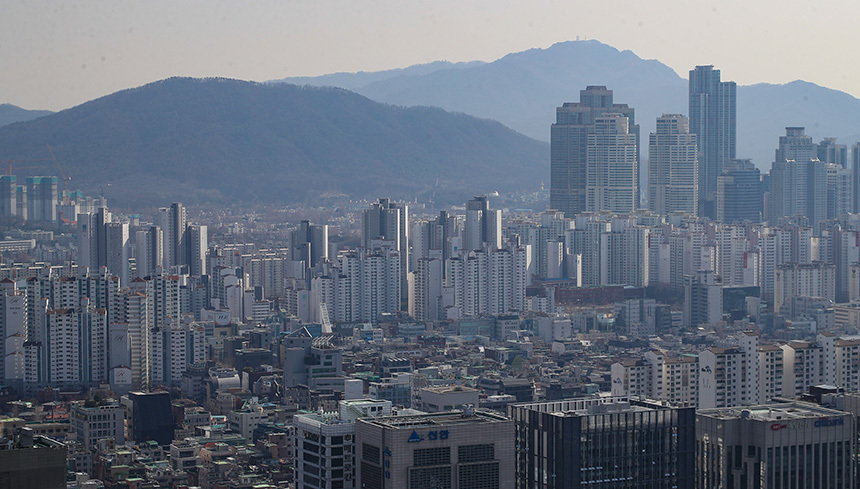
{"type": "Point", "coordinates": [795, 444]}
{"type": "Point", "coordinates": [610, 442]}
{"type": "Point", "coordinates": [455, 450]}
{"type": "Point", "coordinates": [713, 120]}
{"type": "Point", "coordinates": [569, 142]}
{"type": "Point", "coordinates": [673, 167]}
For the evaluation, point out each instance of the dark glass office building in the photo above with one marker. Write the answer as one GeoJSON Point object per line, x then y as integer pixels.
{"type": "Point", "coordinates": [739, 195]}
{"type": "Point", "coordinates": [151, 417]}
{"type": "Point", "coordinates": [604, 442]}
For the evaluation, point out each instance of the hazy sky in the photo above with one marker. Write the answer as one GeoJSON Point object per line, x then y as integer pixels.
{"type": "Point", "coordinates": [56, 54]}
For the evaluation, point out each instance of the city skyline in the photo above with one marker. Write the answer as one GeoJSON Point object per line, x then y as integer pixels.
{"type": "Point", "coordinates": [404, 283]}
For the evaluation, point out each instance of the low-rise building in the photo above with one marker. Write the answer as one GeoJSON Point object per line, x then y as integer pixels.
{"type": "Point", "coordinates": [91, 422]}
{"type": "Point", "coordinates": [445, 398]}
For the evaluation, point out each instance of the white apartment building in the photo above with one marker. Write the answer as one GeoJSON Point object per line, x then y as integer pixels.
{"type": "Point", "coordinates": [803, 366]}
{"type": "Point", "coordinates": [815, 279]}
{"type": "Point", "coordinates": [723, 378]}
{"type": "Point", "coordinates": [362, 285]}
{"type": "Point", "coordinates": [841, 360]}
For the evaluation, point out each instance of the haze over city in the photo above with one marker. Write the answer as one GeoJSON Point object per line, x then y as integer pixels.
{"type": "Point", "coordinates": [59, 54]}
{"type": "Point", "coordinates": [429, 245]}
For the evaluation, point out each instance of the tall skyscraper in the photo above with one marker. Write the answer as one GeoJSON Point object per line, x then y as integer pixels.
{"type": "Point", "coordinates": [739, 196]}
{"type": "Point", "coordinates": [829, 151]}
{"type": "Point", "coordinates": [713, 121]}
{"type": "Point", "coordinates": [483, 225]}
{"type": "Point", "coordinates": [569, 155]}
{"type": "Point", "coordinates": [104, 242]}
{"type": "Point", "coordinates": [390, 221]}
{"type": "Point", "coordinates": [673, 167]}
{"type": "Point", "coordinates": [795, 145]}
{"type": "Point", "coordinates": [13, 327]}
{"type": "Point", "coordinates": [612, 178]}
{"type": "Point", "coordinates": [8, 194]}
{"type": "Point", "coordinates": [148, 250]}
{"type": "Point", "coordinates": [172, 222]}
{"type": "Point", "coordinates": [855, 169]}
{"type": "Point", "coordinates": [117, 251]}
{"type": "Point", "coordinates": [309, 243]}
{"type": "Point", "coordinates": [42, 199]}
{"type": "Point", "coordinates": [798, 181]}
{"type": "Point", "coordinates": [195, 244]}
{"type": "Point", "coordinates": [840, 190]}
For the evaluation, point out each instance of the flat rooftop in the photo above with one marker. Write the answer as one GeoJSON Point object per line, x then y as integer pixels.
{"type": "Point", "coordinates": [772, 412]}
{"type": "Point", "coordinates": [435, 419]}
{"type": "Point", "coordinates": [593, 406]}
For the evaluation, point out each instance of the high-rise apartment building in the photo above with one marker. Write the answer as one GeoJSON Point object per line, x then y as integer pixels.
{"type": "Point", "coordinates": [569, 143]}
{"type": "Point", "coordinates": [148, 250]}
{"type": "Point", "coordinates": [42, 199]}
{"type": "Point", "coordinates": [194, 247]}
{"type": "Point", "coordinates": [713, 121]}
{"type": "Point", "coordinates": [703, 298]}
{"type": "Point", "coordinates": [13, 333]}
{"type": "Point", "coordinates": [118, 250]}
{"type": "Point", "coordinates": [612, 179]}
{"type": "Point", "coordinates": [855, 170]}
{"type": "Point", "coordinates": [673, 167]}
{"type": "Point", "coordinates": [361, 285]}
{"type": "Point", "coordinates": [814, 279]}
{"type": "Point", "coordinates": [739, 196]}
{"type": "Point", "coordinates": [798, 181]}
{"type": "Point", "coordinates": [309, 243]}
{"type": "Point", "coordinates": [483, 225]}
{"type": "Point", "coordinates": [488, 282]}
{"type": "Point", "coordinates": [829, 151]}
{"type": "Point", "coordinates": [172, 221]}
{"type": "Point", "coordinates": [389, 221]}
{"type": "Point", "coordinates": [8, 196]}
{"type": "Point", "coordinates": [840, 190]}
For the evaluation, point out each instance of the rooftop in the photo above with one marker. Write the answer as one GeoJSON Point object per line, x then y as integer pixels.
{"type": "Point", "coordinates": [435, 419]}
{"type": "Point", "coordinates": [772, 412]}
{"type": "Point", "coordinates": [593, 406]}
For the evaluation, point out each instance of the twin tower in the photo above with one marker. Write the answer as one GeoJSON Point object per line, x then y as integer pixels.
{"type": "Point", "coordinates": [595, 146]}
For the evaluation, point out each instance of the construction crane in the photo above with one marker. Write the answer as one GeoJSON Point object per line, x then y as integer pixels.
{"type": "Point", "coordinates": [66, 178]}
{"type": "Point", "coordinates": [9, 165]}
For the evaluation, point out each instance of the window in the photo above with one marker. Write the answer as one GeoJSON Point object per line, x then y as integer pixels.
{"type": "Point", "coordinates": [430, 478]}
{"type": "Point", "coordinates": [431, 456]}
{"type": "Point", "coordinates": [370, 453]}
{"type": "Point", "coordinates": [475, 453]}
{"type": "Point", "coordinates": [478, 476]}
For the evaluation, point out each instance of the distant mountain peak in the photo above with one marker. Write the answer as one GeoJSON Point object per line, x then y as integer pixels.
{"type": "Point", "coordinates": [220, 139]}
{"type": "Point", "coordinates": [12, 113]}
{"type": "Point", "coordinates": [522, 89]}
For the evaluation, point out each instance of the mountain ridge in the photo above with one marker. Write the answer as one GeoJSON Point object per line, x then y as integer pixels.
{"type": "Point", "coordinates": [10, 114]}
{"type": "Point", "coordinates": [226, 140]}
{"type": "Point", "coordinates": [522, 90]}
